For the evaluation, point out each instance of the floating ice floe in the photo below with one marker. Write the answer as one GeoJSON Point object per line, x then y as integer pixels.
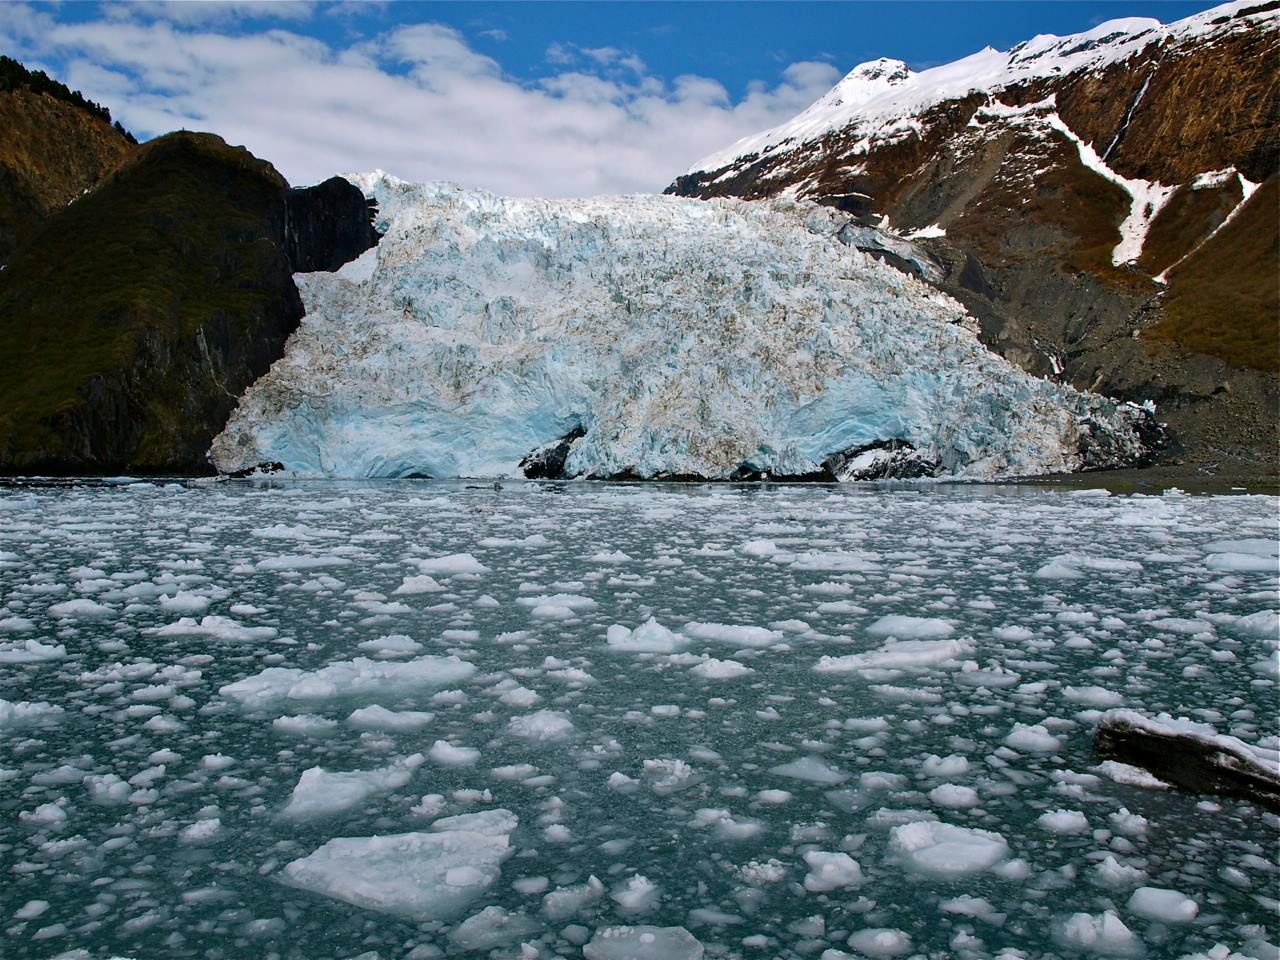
{"type": "Point", "coordinates": [945, 851]}
{"type": "Point", "coordinates": [419, 876]}
{"type": "Point", "coordinates": [643, 943]}
{"type": "Point", "coordinates": [1166, 906]}
{"type": "Point", "coordinates": [810, 769]}
{"type": "Point", "coordinates": [378, 717]}
{"type": "Point", "coordinates": [1103, 934]}
{"type": "Point", "coordinates": [738, 636]}
{"type": "Point", "coordinates": [541, 727]}
{"type": "Point", "coordinates": [897, 654]}
{"type": "Point", "coordinates": [649, 637]}
{"type": "Point", "coordinates": [217, 627]}
{"type": "Point", "coordinates": [19, 713]}
{"type": "Point", "coordinates": [452, 565]}
{"type": "Point", "coordinates": [321, 792]}
{"type": "Point", "coordinates": [358, 678]}
{"type": "Point", "coordinates": [30, 651]}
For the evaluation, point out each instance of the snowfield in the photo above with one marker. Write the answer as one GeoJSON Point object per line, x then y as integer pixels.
{"type": "Point", "coordinates": [868, 735]}
{"type": "Point", "coordinates": [676, 337]}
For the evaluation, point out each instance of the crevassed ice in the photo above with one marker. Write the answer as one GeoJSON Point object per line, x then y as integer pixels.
{"type": "Point", "coordinates": [684, 337]}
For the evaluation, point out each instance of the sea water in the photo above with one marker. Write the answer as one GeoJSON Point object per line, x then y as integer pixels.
{"type": "Point", "coordinates": [416, 719]}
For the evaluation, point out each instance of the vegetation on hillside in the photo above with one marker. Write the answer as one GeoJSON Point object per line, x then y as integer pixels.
{"type": "Point", "coordinates": [14, 75]}
{"type": "Point", "coordinates": [134, 317]}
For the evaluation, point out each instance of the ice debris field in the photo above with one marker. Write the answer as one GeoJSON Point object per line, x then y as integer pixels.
{"type": "Point", "coordinates": [423, 719]}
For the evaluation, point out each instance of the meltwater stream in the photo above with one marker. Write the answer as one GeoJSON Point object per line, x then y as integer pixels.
{"type": "Point", "coordinates": [792, 721]}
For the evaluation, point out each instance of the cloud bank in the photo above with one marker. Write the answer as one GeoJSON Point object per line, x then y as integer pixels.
{"type": "Point", "coordinates": [418, 100]}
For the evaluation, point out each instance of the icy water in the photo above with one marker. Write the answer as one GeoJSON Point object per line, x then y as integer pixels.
{"type": "Point", "coordinates": [858, 725]}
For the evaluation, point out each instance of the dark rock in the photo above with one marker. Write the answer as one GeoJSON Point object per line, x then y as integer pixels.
{"type": "Point", "coordinates": [327, 225]}
{"type": "Point", "coordinates": [882, 460]}
{"type": "Point", "coordinates": [262, 469]}
{"type": "Point", "coordinates": [1193, 761]}
{"type": "Point", "coordinates": [547, 462]}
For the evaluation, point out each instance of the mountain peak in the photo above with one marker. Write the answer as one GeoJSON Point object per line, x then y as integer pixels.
{"type": "Point", "coordinates": [866, 81]}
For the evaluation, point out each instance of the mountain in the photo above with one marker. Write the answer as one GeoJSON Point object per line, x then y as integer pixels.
{"type": "Point", "coordinates": [1104, 204]}
{"type": "Point", "coordinates": [646, 337]}
{"type": "Point", "coordinates": [132, 319]}
{"type": "Point", "coordinates": [56, 145]}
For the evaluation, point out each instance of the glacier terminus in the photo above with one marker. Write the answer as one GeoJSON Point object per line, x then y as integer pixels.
{"type": "Point", "coordinates": [646, 337]}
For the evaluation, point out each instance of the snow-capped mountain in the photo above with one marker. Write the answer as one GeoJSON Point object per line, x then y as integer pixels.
{"type": "Point", "coordinates": [645, 337]}
{"type": "Point", "coordinates": [1104, 203]}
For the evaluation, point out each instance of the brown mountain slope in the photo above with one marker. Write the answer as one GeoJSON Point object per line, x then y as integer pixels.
{"type": "Point", "coordinates": [1027, 189]}
{"type": "Point", "coordinates": [52, 149]}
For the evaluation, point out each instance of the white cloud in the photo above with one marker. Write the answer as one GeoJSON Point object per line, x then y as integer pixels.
{"type": "Point", "coordinates": [202, 12]}
{"type": "Point", "coordinates": [417, 101]}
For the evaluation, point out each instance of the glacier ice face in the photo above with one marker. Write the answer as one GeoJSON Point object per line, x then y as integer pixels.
{"type": "Point", "coordinates": [685, 337]}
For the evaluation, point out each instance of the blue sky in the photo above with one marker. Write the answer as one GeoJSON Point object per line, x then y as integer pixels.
{"type": "Point", "coordinates": [525, 98]}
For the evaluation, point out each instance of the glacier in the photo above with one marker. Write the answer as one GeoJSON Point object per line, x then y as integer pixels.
{"type": "Point", "coordinates": [645, 337]}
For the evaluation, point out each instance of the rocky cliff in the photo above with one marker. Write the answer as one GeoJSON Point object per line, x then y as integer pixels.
{"type": "Point", "coordinates": [134, 317]}
{"type": "Point", "coordinates": [1105, 204]}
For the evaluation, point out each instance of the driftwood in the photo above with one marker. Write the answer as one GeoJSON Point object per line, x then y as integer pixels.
{"type": "Point", "coordinates": [1189, 755]}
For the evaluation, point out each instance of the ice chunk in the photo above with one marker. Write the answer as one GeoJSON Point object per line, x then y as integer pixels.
{"type": "Point", "coordinates": [738, 636]}
{"type": "Point", "coordinates": [30, 651]}
{"type": "Point", "coordinates": [494, 823]}
{"type": "Point", "coordinates": [492, 927]}
{"type": "Point", "coordinates": [19, 713]}
{"type": "Point", "coordinates": [293, 562]}
{"type": "Point", "coordinates": [305, 725]}
{"type": "Point", "coordinates": [946, 851]}
{"type": "Point", "coordinates": [541, 727]}
{"type": "Point", "coordinates": [1063, 821]}
{"type": "Point", "coordinates": [564, 902]}
{"type": "Point", "coordinates": [1166, 906]}
{"type": "Point", "coordinates": [392, 645]}
{"type": "Point", "coordinates": [949, 766]}
{"type": "Point", "coordinates": [217, 627]}
{"type": "Point", "coordinates": [811, 769]}
{"type": "Point", "coordinates": [643, 943]}
{"type": "Point", "coordinates": [378, 717]}
{"type": "Point", "coordinates": [1104, 934]}
{"type": "Point", "coordinates": [881, 942]}
{"type": "Point", "coordinates": [358, 678]}
{"type": "Point", "coordinates": [1129, 775]}
{"type": "Point", "coordinates": [896, 654]}
{"type": "Point", "coordinates": [910, 628]}
{"type": "Point", "coordinates": [420, 876]}
{"type": "Point", "coordinates": [954, 795]}
{"type": "Point", "coordinates": [321, 792]}
{"type": "Point", "coordinates": [649, 637]}
{"type": "Point", "coordinates": [831, 871]}
{"type": "Point", "coordinates": [413, 586]}
{"type": "Point", "coordinates": [447, 755]}
{"type": "Point", "coordinates": [1092, 696]}
{"type": "Point", "coordinates": [636, 894]}
{"type": "Point", "coordinates": [81, 608]}
{"type": "Point", "coordinates": [1032, 739]}
{"type": "Point", "coordinates": [713, 669]}
{"type": "Point", "coordinates": [1242, 563]}
{"type": "Point", "coordinates": [451, 565]}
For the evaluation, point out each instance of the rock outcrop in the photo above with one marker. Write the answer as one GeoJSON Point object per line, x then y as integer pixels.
{"type": "Point", "coordinates": [134, 318]}
{"type": "Point", "coordinates": [1103, 203]}
{"type": "Point", "coordinates": [1190, 755]}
